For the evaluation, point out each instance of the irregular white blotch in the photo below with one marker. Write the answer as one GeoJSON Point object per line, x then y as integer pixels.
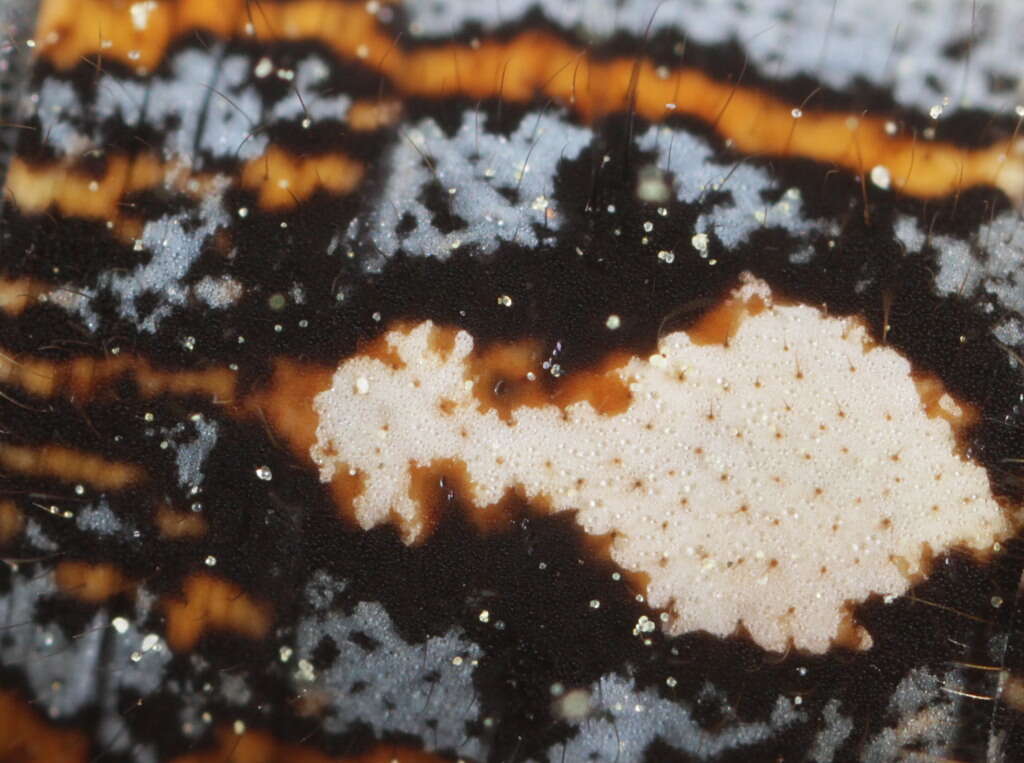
{"type": "Point", "coordinates": [473, 167]}
{"type": "Point", "coordinates": [699, 177]}
{"type": "Point", "coordinates": [625, 721]}
{"type": "Point", "coordinates": [735, 476]}
{"type": "Point", "coordinates": [392, 686]}
{"type": "Point", "coordinates": [902, 46]}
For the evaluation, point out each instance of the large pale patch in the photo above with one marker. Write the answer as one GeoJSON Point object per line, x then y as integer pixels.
{"type": "Point", "coordinates": [764, 469]}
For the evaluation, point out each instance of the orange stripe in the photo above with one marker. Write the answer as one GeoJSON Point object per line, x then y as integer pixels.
{"type": "Point", "coordinates": [536, 63]}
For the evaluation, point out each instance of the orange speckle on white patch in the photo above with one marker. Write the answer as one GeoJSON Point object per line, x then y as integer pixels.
{"type": "Point", "coordinates": [749, 476]}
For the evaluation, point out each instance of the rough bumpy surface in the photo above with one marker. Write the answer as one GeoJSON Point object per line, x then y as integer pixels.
{"type": "Point", "coordinates": [211, 208]}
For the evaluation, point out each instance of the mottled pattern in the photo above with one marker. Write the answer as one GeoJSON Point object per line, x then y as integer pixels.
{"type": "Point", "coordinates": [201, 224]}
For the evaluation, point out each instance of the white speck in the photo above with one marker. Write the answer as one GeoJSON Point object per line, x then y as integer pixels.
{"type": "Point", "coordinates": [362, 385]}
{"type": "Point", "coordinates": [666, 256]}
{"type": "Point", "coordinates": [140, 13]}
{"type": "Point", "coordinates": [120, 624]}
{"type": "Point", "coordinates": [613, 322]}
{"type": "Point", "coordinates": [485, 616]}
{"type": "Point", "coordinates": [935, 111]}
{"type": "Point", "coordinates": [505, 300]}
{"type": "Point", "coordinates": [880, 176]}
{"type": "Point", "coordinates": [700, 242]}
{"type": "Point", "coordinates": [264, 68]}
{"type": "Point", "coordinates": [238, 727]}
{"type": "Point", "coordinates": [595, 604]}
{"type": "Point", "coordinates": [149, 642]}
{"type": "Point", "coordinates": [211, 560]}
{"type": "Point", "coordinates": [796, 113]}
{"type": "Point", "coordinates": [285, 653]}
{"type": "Point", "coordinates": [264, 473]}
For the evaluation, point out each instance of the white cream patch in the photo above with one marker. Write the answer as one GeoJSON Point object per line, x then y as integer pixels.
{"type": "Point", "coordinates": [767, 482]}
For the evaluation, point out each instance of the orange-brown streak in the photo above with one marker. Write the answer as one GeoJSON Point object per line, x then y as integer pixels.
{"type": "Point", "coordinates": [91, 583]}
{"type": "Point", "coordinates": [280, 179]}
{"type": "Point", "coordinates": [12, 522]}
{"type": "Point", "coordinates": [70, 465]}
{"type": "Point", "coordinates": [211, 603]}
{"type": "Point", "coordinates": [81, 379]}
{"type": "Point", "coordinates": [535, 63]}
{"type": "Point", "coordinates": [26, 737]}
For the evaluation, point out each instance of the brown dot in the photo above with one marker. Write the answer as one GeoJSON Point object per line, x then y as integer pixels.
{"type": "Point", "coordinates": [744, 508]}
{"type": "Point", "coordinates": [894, 457]}
{"type": "Point", "coordinates": [822, 428]}
{"type": "Point", "coordinates": [416, 383]}
{"type": "Point", "coordinates": [842, 413]}
{"type": "Point", "coordinates": [886, 523]}
{"type": "Point", "coordinates": [773, 563]}
{"type": "Point", "coordinates": [888, 416]}
{"type": "Point", "coordinates": [778, 435]}
{"type": "Point", "coordinates": [724, 477]}
{"type": "Point", "coordinates": [824, 570]}
{"type": "Point", "coordinates": [757, 384]}
{"type": "Point", "coordinates": [818, 491]}
{"type": "Point", "coordinates": [699, 450]}
{"type": "Point", "coordinates": [935, 507]}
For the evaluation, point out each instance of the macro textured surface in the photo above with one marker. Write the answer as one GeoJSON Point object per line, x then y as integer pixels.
{"type": "Point", "coordinates": [233, 232]}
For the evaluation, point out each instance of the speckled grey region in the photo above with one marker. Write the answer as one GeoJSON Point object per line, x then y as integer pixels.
{"type": "Point", "coordinates": [690, 159]}
{"type": "Point", "coordinates": [895, 45]}
{"type": "Point", "coordinates": [624, 722]}
{"type": "Point", "coordinates": [987, 270]}
{"type": "Point", "coordinates": [386, 683]}
{"type": "Point", "coordinates": [191, 455]}
{"type": "Point", "coordinates": [61, 670]}
{"type": "Point", "coordinates": [173, 243]}
{"type": "Point", "coordinates": [472, 166]}
{"type": "Point", "coordinates": [924, 714]}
